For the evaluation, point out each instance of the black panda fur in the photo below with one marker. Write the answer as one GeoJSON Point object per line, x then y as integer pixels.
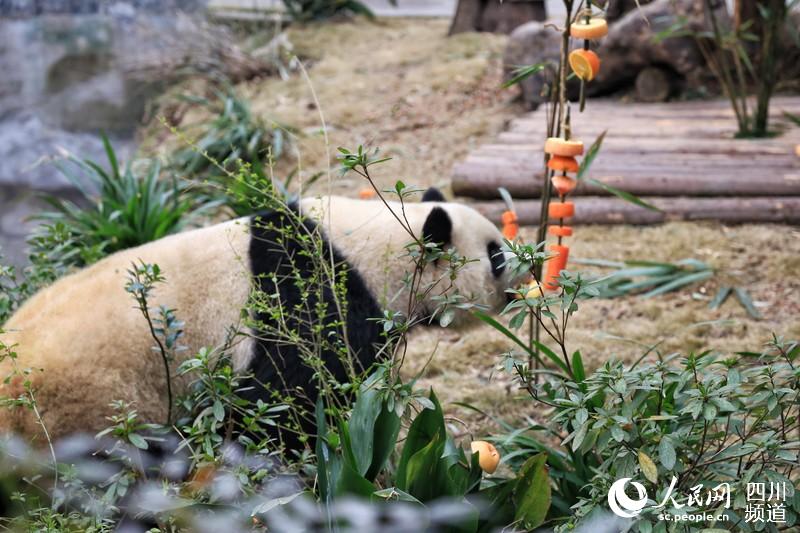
{"type": "Point", "coordinates": [274, 363]}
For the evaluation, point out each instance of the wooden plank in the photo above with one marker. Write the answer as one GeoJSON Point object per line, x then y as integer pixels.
{"type": "Point", "coordinates": [613, 143]}
{"type": "Point", "coordinates": [525, 181]}
{"type": "Point", "coordinates": [594, 210]}
{"type": "Point", "coordinates": [673, 149]}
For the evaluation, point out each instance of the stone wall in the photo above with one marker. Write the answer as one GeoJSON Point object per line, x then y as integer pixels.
{"type": "Point", "coordinates": [70, 70]}
{"type": "Point", "coordinates": [35, 8]}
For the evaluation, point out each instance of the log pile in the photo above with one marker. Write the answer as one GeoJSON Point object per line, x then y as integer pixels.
{"type": "Point", "coordinates": [684, 156]}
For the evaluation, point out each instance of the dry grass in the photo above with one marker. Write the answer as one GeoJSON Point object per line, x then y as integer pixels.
{"type": "Point", "coordinates": [765, 260]}
{"type": "Point", "coordinates": [426, 100]}
{"type": "Point", "coordinates": [403, 86]}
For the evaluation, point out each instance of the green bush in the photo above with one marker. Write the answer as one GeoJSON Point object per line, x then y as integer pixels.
{"type": "Point", "coordinates": [308, 10]}
{"type": "Point", "coordinates": [701, 419]}
{"type": "Point", "coordinates": [125, 207]}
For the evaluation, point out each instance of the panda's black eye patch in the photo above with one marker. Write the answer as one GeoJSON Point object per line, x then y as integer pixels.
{"type": "Point", "coordinates": [497, 258]}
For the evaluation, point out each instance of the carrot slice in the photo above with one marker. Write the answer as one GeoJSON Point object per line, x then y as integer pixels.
{"type": "Point", "coordinates": [510, 231]}
{"type": "Point", "coordinates": [561, 209]}
{"type": "Point", "coordinates": [562, 163]}
{"type": "Point", "coordinates": [560, 231]}
{"type": "Point", "coordinates": [564, 184]}
{"type": "Point", "coordinates": [508, 217]}
{"type": "Point", "coordinates": [555, 265]}
{"type": "Point", "coordinates": [584, 63]}
{"type": "Point", "coordinates": [594, 29]}
{"type": "Point", "coordinates": [559, 146]}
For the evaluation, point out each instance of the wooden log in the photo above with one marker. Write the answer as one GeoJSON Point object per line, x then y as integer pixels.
{"type": "Point", "coordinates": [634, 144]}
{"type": "Point", "coordinates": [525, 181]}
{"type": "Point", "coordinates": [594, 210]}
{"type": "Point", "coordinates": [654, 84]}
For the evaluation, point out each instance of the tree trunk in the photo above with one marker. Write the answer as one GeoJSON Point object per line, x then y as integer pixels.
{"type": "Point", "coordinates": [495, 16]}
{"type": "Point", "coordinates": [654, 84]}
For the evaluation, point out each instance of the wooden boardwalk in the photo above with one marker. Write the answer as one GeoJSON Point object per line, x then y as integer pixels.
{"type": "Point", "coordinates": [682, 150]}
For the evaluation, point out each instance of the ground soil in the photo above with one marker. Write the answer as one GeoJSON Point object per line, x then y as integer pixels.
{"type": "Point", "coordinates": [426, 99]}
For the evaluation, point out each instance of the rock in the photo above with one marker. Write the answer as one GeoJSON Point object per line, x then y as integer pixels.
{"type": "Point", "coordinates": [629, 47]}
{"type": "Point", "coordinates": [530, 44]}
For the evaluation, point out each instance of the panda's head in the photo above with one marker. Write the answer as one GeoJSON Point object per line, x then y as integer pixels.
{"type": "Point", "coordinates": [486, 276]}
{"type": "Point", "coordinates": [372, 240]}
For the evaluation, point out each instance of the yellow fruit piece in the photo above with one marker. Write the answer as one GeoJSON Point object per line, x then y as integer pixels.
{"type": "Point", "coordinates": [534, 291]}
{"type": "Point", "coordinates": [585, 64]}
{"type": "Point", "coordinates": [560, 146]}
{"type": "Point", "coordinates": [488, 456]}
{"type": "Point", "coordinates": [594, 29]}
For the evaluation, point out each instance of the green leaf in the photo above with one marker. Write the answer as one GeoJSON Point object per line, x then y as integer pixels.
{"type": "Point", "coordinates": [362, 425]}
{"type": "Point", "coordinates": [351, 482]}
{"type": "Point", "coordinates": [424, 430]}
{"type": "Point", "coordinates": [747, 302]}
{"type": "Point", "coordinates": [541, 347]}
{"type": "Point", "coordinates": [328, 464]}
{"type": "Point", "coordinates": [577, 367]}
{"type": "Point", "coordinates": [679, 282]}
{"type": "Point", "coordinates": [591, 154]}
{"type": "Point", "coordinates": [525, 72]}
{"type": "Point", "coordinates": [649, 468]}
{"type": "Point", "coordinates": [138, 441]}
{"type": "Point", "coordinates": [424, 471]}
{"type": "Point", "coordinates": [666, 453]}
{"type": "Point", "coordinates": [219, 410]}
{"type": "Point", "coordinates": [720, 297]}
{"type": "Point", "coordinates": [393, 493]}
{"type": "Point", "coordinates": [387, 427]}
{"type": "Point", "coordinates": [532, 492]}
{"type": "Point", "coordinates": [624, 195]}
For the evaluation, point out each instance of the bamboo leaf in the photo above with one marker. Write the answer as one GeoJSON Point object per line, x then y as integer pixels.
{"type": "Point", "coordinates": [523, 73]}
{"type": "Point", "coordinates": [720, 297]}
{"type": "Point", "coordinates": [624, 195]}
{"type": "Point", "coordinates": [747, 303]}
{"type": "Point", "coordinates": [680, 282]}
{"type": "Point", "coordinates": [591, 154]}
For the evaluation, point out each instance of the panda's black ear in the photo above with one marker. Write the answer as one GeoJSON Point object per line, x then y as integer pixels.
{"type": "Point", "coordinates": [438, 227]}
{"type": "Point", "coordinates": [433, 195]}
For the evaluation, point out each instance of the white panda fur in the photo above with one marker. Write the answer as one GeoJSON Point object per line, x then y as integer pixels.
{"type": "Point", "coordinates": [89, 345]}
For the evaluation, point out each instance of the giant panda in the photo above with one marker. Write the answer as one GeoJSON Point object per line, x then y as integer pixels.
{"type": "Point", "coordinates": [89, 345]}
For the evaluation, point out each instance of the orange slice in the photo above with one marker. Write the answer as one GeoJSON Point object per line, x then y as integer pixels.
{"type": "Point", "coordinates": [562, 163]}
{"type": "Point", "coordinates": [560, 146]}
{"type": "Point", "coordinates": [585, 64]}
{"type": "Point", "coordinates": [594, 29]}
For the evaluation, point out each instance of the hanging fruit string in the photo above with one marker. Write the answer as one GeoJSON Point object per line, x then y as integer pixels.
{"type": "Point", "coordinates": [584, 62]}
{"type": "Point", "coordinates": [563, 151]}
